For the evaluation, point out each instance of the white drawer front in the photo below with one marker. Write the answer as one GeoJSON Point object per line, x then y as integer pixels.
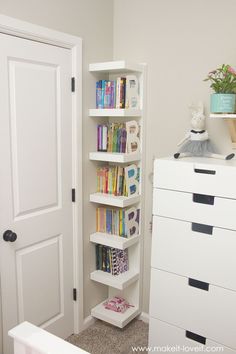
{"type": "Point", "coordinates": [213, 177]}
{"type": "Point", "coordinates": [163, 335]}
{"type": "Point", "coordinates": [211, 314]}
{"type": "Point", "coordinates": [180, 205]}
{"type": "Point", "coordinates": [210, 257]}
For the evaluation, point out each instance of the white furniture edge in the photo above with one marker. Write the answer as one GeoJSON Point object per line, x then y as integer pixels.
{"type": "Point", "coordinates": [117, 157]}
{"type": "Point", "coordinates": [120, 281]}
{"type": "Point", "coordinates": [115, 241]}
{"type": "Point", "coordinates": [109, 199]}
{"type": "Point", "coordinates": [115, 66]}
{"type": "Point", "coordinates": [114, 112]}
{"type": "Point", "coordinates": [28, 337]}
{"type": "Point", "coordinates": [115, 318]}
{"type": "Point", "coordinates": [223, 115]}
{"type": "Point", "coordinates": [15, 27]}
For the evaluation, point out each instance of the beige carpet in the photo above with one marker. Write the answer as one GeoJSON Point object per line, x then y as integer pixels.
{"type": "Point", "coordinates": [102, 338]}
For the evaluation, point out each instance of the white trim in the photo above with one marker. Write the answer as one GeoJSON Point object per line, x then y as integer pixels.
{"type": "Point", "coordinates": [15, 27]}
{"type": "Point", "coordinates": [88, 321]}
{"type": "Point", "coordinates": [144, 316]}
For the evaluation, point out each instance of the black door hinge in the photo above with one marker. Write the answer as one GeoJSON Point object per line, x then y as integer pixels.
{"type": "Point", "coordinates": [75, 294]}
{"type": "Point", "coordinates": [72, 84]}
{"type": "Point", "coordinates": [73, 195]}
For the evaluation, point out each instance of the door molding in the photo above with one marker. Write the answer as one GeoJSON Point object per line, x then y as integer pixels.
{"type": "Point", "coordinates": [22, 29]}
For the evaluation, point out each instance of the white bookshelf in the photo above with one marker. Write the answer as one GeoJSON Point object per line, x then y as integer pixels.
{"type": "Point", "coordinates": [120, 281]}
{"type": "Point", "coordinates": [113, 240]}
{"type": "Point", "coordinates": [114, 157]}
{"type": "Point", "coordinates": [128, 284]}
{"type": "Point", "coordinates": [115, 318]}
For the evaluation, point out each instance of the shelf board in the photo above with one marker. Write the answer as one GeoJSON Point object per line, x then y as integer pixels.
{"type": "Point", "coordinates": [223, 115]}
{"type": "Point", "coordinates": [231, 122]}
{"type": "Point", "coordinates": [115, 318]}
{"type": "Point", "coordinates": [114, 156]}
{"type": "Point", "coordinates": [114, 112]}
{"type": "Point", "coordinates": [114, 240]}
{"type": "Point", "coordinates": [117, 201]}
{"type": "Point", "coordinates": [120, 281]}
{"type": "Point", "coordinates": [119, 66]}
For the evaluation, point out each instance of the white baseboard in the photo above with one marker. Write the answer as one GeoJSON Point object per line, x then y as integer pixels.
{"type": "Point", "coordinates": [144, 317]}
{"type": "Point", "coordinates": [88, 321]}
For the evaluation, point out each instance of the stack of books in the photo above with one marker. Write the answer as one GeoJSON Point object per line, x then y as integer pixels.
{"type": "Point", "coordinates": [111, 137]}
{"type": "Point", "coordinates": [120, 93]}
{"type": "Point", "coordinates": [111, 260]}
{"type": "Point", "coordinates": [112, 221]}
{"type": "Point", "coordinates": [111, 180]}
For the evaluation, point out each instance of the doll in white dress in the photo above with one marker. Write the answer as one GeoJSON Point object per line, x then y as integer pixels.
{"type": "Point", "coordinates": [196, 142]}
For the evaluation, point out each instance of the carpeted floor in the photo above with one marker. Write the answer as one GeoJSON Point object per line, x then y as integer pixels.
{"type": "Point", "coordinates": [102, 338]}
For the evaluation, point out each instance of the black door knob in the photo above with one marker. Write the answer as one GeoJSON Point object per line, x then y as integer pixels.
{"type": "Point", "coordinates": [9, 236]}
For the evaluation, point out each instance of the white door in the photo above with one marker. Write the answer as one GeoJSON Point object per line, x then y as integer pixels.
{"type": "Point", "coordinates": [35, 185]}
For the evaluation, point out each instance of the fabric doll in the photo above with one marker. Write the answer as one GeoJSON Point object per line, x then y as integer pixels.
{"type": "Point", "coordinates": [196, 142]}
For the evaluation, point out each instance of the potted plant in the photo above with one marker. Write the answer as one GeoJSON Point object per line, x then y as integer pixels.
{"type": "Point", "coordinates": [223, 82]}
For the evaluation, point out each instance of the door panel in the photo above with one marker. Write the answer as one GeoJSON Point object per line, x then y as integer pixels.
{"type": "Point", "coordinates": [35, 185]}
{"type": "Point", "coordinates": [35, 135]}
{"type": "Point", "coordinates": [47, 283]}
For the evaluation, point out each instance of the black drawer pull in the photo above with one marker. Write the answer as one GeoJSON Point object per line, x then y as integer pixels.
{"type": "Point", "coordinates": [198, 284]}
{"type": "Point", "coordinates": [204, 229]}
{"type": "Point", "coordinates": [206, 172]}
{"type": "Point", "coordinates": [195, 337]}
{"type": "Point", "coordinates": [203, 199]}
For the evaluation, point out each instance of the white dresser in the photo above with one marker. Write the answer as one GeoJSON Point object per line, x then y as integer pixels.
{"type": "Point", "coordinates": [193, 264]}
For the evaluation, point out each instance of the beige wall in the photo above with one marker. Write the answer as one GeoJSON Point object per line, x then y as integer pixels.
{"type": "Point", "coordinates": [92, 21]}
{"type": "Point", "coordinates": [180, 41]}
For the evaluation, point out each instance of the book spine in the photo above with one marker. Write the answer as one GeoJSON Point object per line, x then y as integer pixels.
{"type": "Point", "coordinates": [99, 94]}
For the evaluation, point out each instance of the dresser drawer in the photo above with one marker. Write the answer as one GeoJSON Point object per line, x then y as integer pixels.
{"type": "Point", "coordinates": [198, 175]}
{"type": "Point", "coordinates": [162, 334]}
{"type": "Point", "coordinates": [211, 314]}
{"type": "Point", "coordinates": [208, 253]}
{"type": "Point", "coordinates": [181, 205]}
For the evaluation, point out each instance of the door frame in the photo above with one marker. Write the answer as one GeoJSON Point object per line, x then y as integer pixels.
{"type": "Point", "coordinates": [26, 30]}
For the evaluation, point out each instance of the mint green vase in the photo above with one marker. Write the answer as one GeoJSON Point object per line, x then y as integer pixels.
{"type": "Point", "coordinates": [223, 103]}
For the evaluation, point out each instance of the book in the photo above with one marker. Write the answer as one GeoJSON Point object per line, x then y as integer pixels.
{"type": "Point", "coordinates": [132, 92]}
{"type": "Point", "coordinates": [99, 103]}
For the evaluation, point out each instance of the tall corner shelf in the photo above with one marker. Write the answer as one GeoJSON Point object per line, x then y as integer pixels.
{"type": "Point", "coordinates": [128, 284]}
{"type": "Point", "coordinates": [230, 119]}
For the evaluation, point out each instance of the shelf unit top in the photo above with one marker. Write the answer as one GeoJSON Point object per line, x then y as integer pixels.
{"type": "Point", "coordinates": [114, 112]}
{"type": "Point", "coordinates": [114, 156]}
{"type": "Point", "coordinates": [120, 281]}
{"type": "Point", "coordinates": [115, 318]}
{"type": "Point", "coordinates": [117, 201]}
{"type": "Point", "coordinates": [115, 241]}
{"type": "Point", "coordinates": [119, 66]}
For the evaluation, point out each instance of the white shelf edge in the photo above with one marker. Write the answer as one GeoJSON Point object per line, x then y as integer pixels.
{"type": "Point", "coordinates": [115, 66]}
{"type": "Point", "coordinates": [115, 112]}
{"type": "Point", "coordinates": [223, 116]}
{"type": "Point", "coordinates": [115, 318]}
{"type": "Point", "coordinates": [120, 281]}
{"type": "Point", "coordinates": [114, 240]}
{"type": "Point", "coordinates": [114, 156]}
{"type": "Point", "coordinates": [118, 201]}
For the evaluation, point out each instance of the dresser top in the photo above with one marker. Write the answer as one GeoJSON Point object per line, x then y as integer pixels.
{"type": "Point", "coordinates": [200, 160]}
